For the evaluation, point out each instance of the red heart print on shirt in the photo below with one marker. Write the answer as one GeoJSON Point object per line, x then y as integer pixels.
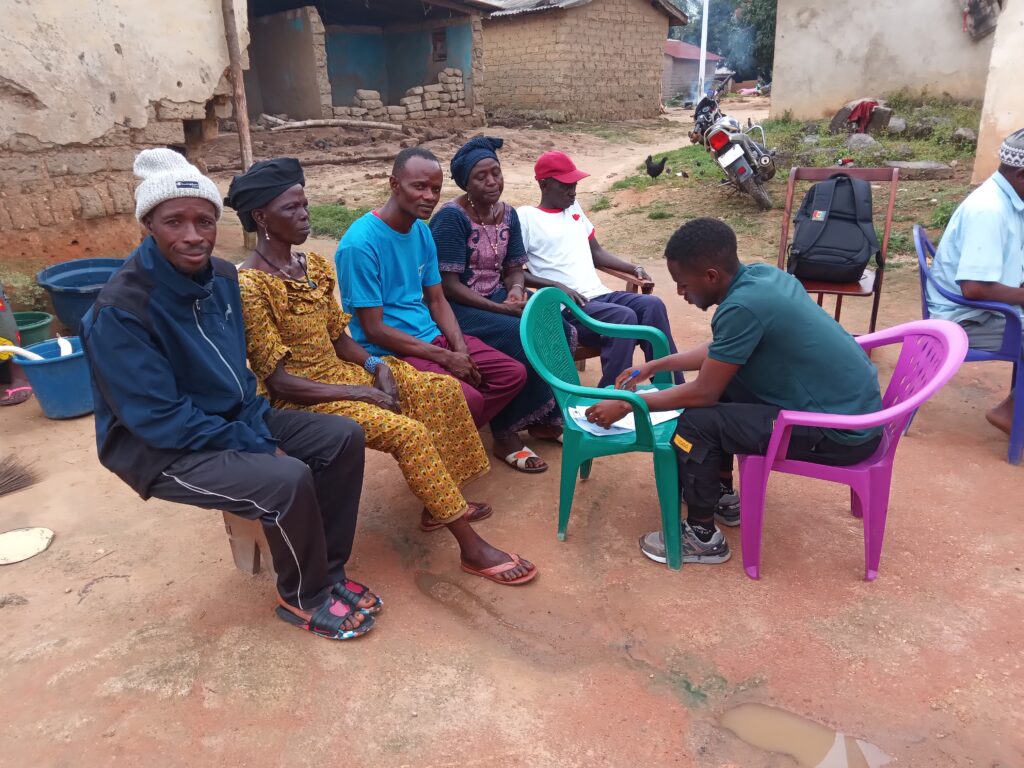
{"type": "Point", "coordinates": [576, 217]}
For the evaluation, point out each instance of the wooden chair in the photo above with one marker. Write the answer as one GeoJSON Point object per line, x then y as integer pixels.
{"type": "Point", "coordinates": [248, 544]}
{"type": "Point", "coordinates": [870, 283]}
{"type": "Point", "coordinates": [633, 285]}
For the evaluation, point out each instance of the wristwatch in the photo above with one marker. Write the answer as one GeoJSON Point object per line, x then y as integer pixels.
{"type": "Point", "coordinates": [371, 363]}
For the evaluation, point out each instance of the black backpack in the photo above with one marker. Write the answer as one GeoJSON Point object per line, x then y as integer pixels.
{"type": "Point", "coordinates": [834, 237]}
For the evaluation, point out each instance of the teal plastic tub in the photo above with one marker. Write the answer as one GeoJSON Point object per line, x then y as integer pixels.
{"type": "Point", "coordinates": [33, 326]}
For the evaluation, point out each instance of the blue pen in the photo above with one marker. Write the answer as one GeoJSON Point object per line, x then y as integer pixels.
{"type": "Point", "coordinates": [632, 375]}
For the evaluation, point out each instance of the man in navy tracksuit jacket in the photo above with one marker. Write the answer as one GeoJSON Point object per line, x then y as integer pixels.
{"type": "Point", "coordinates": [178, 417]}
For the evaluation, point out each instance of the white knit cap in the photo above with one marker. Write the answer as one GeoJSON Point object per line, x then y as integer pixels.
{"type": "Point", "coordinates": [1012, 150]}
{"type": "Point", "coordinates": [166, 174]}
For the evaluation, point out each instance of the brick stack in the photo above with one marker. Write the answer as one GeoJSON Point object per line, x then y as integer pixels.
{"type": "Point", "coordinates": [444, 99]}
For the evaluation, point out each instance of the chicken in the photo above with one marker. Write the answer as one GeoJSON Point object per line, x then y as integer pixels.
{"type": "Point", "coordinates": [654, 169]}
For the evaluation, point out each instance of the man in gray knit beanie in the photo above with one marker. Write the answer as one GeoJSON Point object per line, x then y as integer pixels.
{"type": "Point", "coordinates": [178, 416]}
{"type": "Point", "coordinates": [981, 257]}
{"type": "Point", "coordinates": [167, 175]}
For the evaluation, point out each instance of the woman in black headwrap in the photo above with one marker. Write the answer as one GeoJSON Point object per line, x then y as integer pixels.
{"type": "Point", "coordinates": [481, 256]}
{"type": "Point", "coordinates": [303, 359]}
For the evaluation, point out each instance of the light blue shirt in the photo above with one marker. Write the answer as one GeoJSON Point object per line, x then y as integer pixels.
{"type": "Point", "coordinates": [379, 267]}
{"type": "Point", "coordinates": [984, 242]}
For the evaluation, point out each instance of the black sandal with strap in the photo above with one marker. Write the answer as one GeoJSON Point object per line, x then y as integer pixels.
{"type": "Point", "coordinates": [351, 592]}
{"type": "Point", "coordinates": [328, 620]}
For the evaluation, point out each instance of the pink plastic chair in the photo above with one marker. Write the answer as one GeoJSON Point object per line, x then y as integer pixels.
{"type": "Point", "coordinates": [933, 351]}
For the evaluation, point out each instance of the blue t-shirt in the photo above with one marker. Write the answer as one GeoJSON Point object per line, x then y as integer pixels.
{"type": "Point", "coordinates": [792, 354]}
{"type": "Point", "coordinates": [379, 267]}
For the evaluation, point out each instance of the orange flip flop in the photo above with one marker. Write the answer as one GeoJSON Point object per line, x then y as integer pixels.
{"type": "Point", "coordinates": [493, 573]}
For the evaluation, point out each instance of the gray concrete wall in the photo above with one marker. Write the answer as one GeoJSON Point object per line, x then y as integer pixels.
{"type": "Point", "coordinates": [1003, 112]}
{"type": "Point", "coordinates": [285, 55]}
{"type": "Point", "coordinates": [679, 76]}
{"type": "Point", "coordinates": [828, 53]}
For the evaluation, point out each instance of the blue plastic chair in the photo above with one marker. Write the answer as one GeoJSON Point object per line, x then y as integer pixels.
{"type": "Point", "coordinates": [1010, 352]}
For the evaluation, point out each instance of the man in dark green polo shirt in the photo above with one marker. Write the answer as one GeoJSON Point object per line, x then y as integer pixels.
{"type": "Point", "coordinates": [772, 349]}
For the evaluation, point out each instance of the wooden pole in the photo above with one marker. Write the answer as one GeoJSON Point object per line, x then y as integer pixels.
{"type": "Point", "coordinates": [238, 95]}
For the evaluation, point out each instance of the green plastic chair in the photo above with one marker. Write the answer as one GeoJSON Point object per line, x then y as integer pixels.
{"type": "Point", "coordinates": [548, 352]}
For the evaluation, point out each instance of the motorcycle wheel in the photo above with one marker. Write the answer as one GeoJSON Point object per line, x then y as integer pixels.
{"type": "Point", "coordinates": [756, 190]}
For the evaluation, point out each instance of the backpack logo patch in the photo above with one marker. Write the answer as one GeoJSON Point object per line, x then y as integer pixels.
{"type": "Point", "coordinates": [819, 215]}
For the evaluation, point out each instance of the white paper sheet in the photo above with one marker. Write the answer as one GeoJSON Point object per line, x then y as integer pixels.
{"type": "Point", "coordinates": [621, 427]}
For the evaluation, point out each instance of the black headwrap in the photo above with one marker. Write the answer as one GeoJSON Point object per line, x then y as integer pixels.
{"type": "Point", "coordinates": [259, 185]}
{"type": "Point", "coordinates": [471, 153]}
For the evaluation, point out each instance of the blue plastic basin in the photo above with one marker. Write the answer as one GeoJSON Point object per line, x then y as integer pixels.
{"type": "Point", "coordinates": [74, 285]}
{"type": "Point", "coordinates": [62, 385]}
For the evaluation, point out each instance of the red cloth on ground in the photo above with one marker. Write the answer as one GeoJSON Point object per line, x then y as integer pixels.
{"type": "Point", "coordinates": [861, 114]}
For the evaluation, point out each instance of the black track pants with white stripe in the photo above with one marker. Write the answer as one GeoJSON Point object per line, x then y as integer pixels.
{"type": "Point", "coordinates": [307, 502]}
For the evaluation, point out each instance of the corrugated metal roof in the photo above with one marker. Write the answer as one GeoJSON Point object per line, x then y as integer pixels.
{"type": "Point", "coordinates": [677, 49]}
{"type": "Point", "coordinates": [516, 7]}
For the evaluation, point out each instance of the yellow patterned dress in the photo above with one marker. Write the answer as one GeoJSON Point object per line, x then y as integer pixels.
{"type": "Point", "coordinates": [434, 439]}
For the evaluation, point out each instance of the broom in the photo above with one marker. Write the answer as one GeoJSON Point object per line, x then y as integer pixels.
{"type": "Point", "coordinates": [14, 475]}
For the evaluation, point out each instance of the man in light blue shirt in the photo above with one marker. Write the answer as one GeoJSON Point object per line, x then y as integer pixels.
{"type": "Point", "coordinates": [981, 257]}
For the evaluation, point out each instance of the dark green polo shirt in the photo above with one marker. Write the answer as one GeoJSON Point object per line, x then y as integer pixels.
{"type": "Point", "coordinates": [792, 353]}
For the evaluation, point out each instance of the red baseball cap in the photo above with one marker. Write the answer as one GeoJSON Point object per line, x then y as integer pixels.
{"type": "Point", "coordinates": [557, 166]}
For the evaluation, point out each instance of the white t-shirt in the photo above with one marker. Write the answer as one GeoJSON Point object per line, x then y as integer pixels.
{"type": "Point", "coordinates": [558, 246]}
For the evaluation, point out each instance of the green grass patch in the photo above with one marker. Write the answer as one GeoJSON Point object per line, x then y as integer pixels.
{"type": "Point", "coordinates": [25, 293]}
{"type": "Point", "coordinates": [942, 214]}
{"type": "Point", "coordinates": [603, 203]}
{"type": "Point", "coordinates": [787, 135]}
{"type": "Point", "coordinates": [659, 213]}
{"type": "Point", "coordinates": [899, 242]}
{"type": "Point", "coordinates": [332, 220]}
{"type": "Point", "coordinates": [638, 182]}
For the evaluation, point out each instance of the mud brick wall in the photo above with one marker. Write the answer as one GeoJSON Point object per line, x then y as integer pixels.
{"type": "Point", "coordinates": [59, 202]}
{"type": "Point", "coordinates": [599, 61]}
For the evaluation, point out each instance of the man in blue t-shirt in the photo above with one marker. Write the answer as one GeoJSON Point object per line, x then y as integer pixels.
{"type": "Point", "coordinates": [391, 285]}
{"type": "Point", "coordinates": [772, 349]}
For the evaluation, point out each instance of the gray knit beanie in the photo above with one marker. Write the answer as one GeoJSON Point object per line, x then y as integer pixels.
{"type": "Point", "coordinates": [165, 175]}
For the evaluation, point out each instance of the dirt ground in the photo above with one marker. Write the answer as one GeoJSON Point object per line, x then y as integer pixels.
{"type": "Point", "coordinates": [138, 643]}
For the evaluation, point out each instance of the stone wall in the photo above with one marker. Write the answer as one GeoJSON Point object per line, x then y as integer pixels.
{"type": "Point", "coordinates": [453, 95]}
{"type": "Point", "coordinates": [64, 201]}
{"type": "Point", "coordinates": [444, 99]}
{"type": "Point", "coordinates": [599, 61]}
{"type": "Point", "coordinates": [74, 115]}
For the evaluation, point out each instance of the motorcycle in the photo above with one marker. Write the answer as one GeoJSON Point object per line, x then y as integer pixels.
{"type": "Point", "coordinates": [746, 163]}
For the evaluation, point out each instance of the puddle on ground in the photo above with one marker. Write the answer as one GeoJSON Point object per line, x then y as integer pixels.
{"type": "Point", "coordinates": [811, 744]}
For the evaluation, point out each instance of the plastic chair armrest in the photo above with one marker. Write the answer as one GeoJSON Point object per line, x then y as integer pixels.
{"type": "Point", "coordinates": [657, 339]}
{"type": "Point", "coordinates": [631, 280]}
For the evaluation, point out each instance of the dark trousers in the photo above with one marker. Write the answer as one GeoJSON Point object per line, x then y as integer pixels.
{"type": "Point", "coordinates": [307, 501]}
{"type": "Point", "coordinates": [707, 439]}
{"type": "Point", "coordinates": [623, 308]}
{"type": "Point", "coordinates": [503, 377]}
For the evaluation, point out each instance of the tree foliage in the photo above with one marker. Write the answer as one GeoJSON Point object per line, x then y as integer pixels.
{"type": "Point", "coordinates": [743, 31]}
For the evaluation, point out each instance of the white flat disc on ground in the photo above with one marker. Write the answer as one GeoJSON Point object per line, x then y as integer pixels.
{"type": "Point", "coordinates": [23, 543]}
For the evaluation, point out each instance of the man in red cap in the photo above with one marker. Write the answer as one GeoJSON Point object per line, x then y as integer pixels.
{"type": "Point", "coordinates": [564, 252]}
